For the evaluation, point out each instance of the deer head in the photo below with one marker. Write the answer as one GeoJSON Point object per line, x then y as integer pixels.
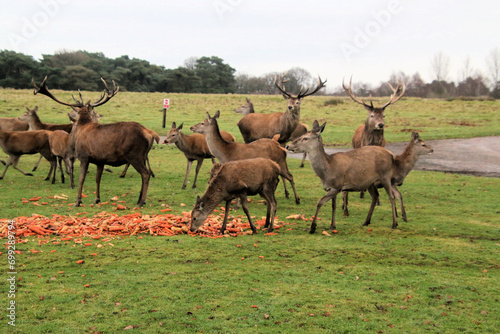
{"type": "Point", "coordinates": [295, 100]}
{"type": "Point", "coordinates": [173, 134]}
{"type": "Point", "coordinates": [376, 115]}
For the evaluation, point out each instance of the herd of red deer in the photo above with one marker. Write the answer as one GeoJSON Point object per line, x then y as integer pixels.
{"type": "Point", "coordinates": [244, 169]}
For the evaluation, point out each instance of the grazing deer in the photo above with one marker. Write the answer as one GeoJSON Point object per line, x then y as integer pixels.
{"type": "Point", "coordinates": [301, 128]}
{"type": "Point", "coordinates": [239, 179]}
{"type": "Point", "coordinates": [194, 147]}
{"type": "Point", "coordinates": [262, 148]}
{"type": "Point", "coordinates": [354, 170]}
{"type": "Point", "coordinates": [18, 143]}
{"type": "Point", "coordinates": [256, 126]}
{"type": "Point", "coordinates": [372, 132]}
{"type": "Point", "coordinates": [113, 144]}
{"type": "Point", "coordinates": [404, 164]}
{"type": "Point", "coordinates": [59, 141]}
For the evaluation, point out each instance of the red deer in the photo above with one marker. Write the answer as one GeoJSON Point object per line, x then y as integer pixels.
{"type": "Point", "coordinates": [404, 163]}
{"type": "Point", "coordinates": [35, 123]}
{"type": "Point", "coordinates": [194, 147]}
{"type": "Point", "coordinates": [12, 124]}
{"type": "Point", "coordinates": [59, 141]}
{"type": "Point", "coordinates": [113, 144]}
{"type": "Point", "coordinates": [354, 170]}
{"type": "Point", "coordinates": [372, 132]}
{"type": "Point", "coordinates": [262, 148]}
{"type": "Point", "coordinates": [18, 143]}
{"type": "Point", "coordinates": [301, 128]}
{"type": "Point", "coordinates": [239, 179]}
{"type": "Point", "coordinates": [256, 126]}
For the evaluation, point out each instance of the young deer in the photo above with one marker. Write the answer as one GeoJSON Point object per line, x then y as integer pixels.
{"type": "Point", "coordinates": [239, 179]}
{"type": "Point", "coordinates": [31, 117]}
{"type": "Point", "coordinates": [113, 144]}
{"type": "Point", "coordinates": [12, 124]}
{"type": "Point", "coordinates": [18, 143]}
{"type": "Point", "coordinates": [194, 147]}
{"type": "Point", "coordinates": [354, 170]}
{"type": "Point", "coordinates": [372, 132]}
{"type": "Point", "coordinates": [404, 164]}
{"type": "Point", "coordinates": [256, 126]}
{"type": "Point", "coordinates": [262, 148]}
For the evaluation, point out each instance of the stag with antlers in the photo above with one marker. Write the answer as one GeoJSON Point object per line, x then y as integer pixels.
{"type": "Point", "coordinates": [113, 144]}
{"type": "Point", "coordinates": [372, 132]}
{"type": "Point", "coordinates": [256, 126]}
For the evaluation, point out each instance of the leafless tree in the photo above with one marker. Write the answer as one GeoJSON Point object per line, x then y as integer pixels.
{"type": "Point", "coordinates": [190, 63]}
{"type": "Point", "coordinates": [493, 62]}
{"type": "Point", "coordinates": [440, 65]}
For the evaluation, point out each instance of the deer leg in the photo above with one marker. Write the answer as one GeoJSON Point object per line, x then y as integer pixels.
{"type": "Point", "coordinates": [388, 190]}
{"type": "Point", "coordinates": [398, 195]}
{"type": "Point", "coordinates": [188, 169]}
{"type": "Point", "coordinates": [71, 171]}
{"type": "Point", "coordinates": [226, 214]}
{"type": "Point", "coordinates": [98, 175]}
{"type": "Point", "coordinates": [59, 162]}
{"type": "Point", "coordinates": [149, 167]}
{"type": "Point", "coordinates": [3, 162]}
{"type": "Point", "coordinates": [14, 162]}
{"type": "Point", "coordinates": [334, 209]}
{"type": "Point", "coordinates": [345, 202]}
{"type": "Point", "coordinates": [374, 194]}
{"type": "Point", "coordinates": [330, 195]}
{"type": "Point", "coordinates": [198, 167]}
{"type": "Point", "coordinates": [303, 160]}
{"type": "Point", "coordinates": [122, 175]}
{"type": "Point", "coordinates": [84, 166]}
{"type": "Point", "coordinates": [145, 176]}
{"type": "Point", "coordinates": [362, 194]}
{"type": "Point", "coordinates": [53, 169]}
{"type": "Point", "coordinates": [37, 163]}
{"type": "Point", "coordinates": [244, 205]}
{"type": "Point", "coordinates": [288, 176]}
{"type": "Point", "coordinates": [286, 190]}
{"type": "Point", "coordinates": [7, 164]}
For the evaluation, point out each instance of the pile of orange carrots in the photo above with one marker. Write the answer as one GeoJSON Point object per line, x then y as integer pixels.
{"type": "Point", "coordinates": [107, 224]}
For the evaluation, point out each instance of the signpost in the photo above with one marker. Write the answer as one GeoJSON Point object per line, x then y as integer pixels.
{"type": "Point", "coordinates": [166, 105]}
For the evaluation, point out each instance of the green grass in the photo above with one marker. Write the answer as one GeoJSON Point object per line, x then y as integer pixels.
{"type": "Point", "coordinates": [438, 273]}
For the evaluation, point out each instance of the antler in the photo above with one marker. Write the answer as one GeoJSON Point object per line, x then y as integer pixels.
{"type": "Point", "coordinates": [278, 82]}
{"type": "Point", "coordinates": [319, 85]}
{"type": "Point", "coordinates": [105, 97]}
{"type": "Point", "coordinates": [394, 97]}
{"type": "Point", "coordinates": [45, 91]}
{"type": "Point", "coordinates": [349, 92]}
{"type": "Point", "coordinates": [107, 94]}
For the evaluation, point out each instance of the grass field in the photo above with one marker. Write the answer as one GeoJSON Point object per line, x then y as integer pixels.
{"type": "Point", "coordinates": [438, 273]}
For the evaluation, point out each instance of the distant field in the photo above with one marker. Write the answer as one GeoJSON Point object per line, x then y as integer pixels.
{"type": "Point", "coordinates": [438, 273]}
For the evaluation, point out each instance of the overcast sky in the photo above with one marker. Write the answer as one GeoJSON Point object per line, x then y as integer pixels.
{"type": "Point", "coordinates": [367, 39]}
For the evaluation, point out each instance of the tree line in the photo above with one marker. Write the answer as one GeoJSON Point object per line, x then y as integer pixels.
{"type": "Point", "coordinates": [72, 70]}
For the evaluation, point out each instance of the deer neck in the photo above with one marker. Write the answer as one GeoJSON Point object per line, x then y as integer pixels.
{"type": "Point", "coordinates": [372, 137]}
{"type": "Point", "coordinates": [181, 142]}
{"type": "Point", "coordinates": [319, 160]}
{"type": "Point", "coordinates": [216, 144]}
{"type": "Point", "coordinates": [407, 160]}
{"type": "Point", "coordinates": [289, 122]}
{"type": "Point", "coordinates": [35, 123]}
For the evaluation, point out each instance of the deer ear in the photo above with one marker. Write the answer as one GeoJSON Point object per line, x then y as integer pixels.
{"type": "Point", "coordinates": [180, 126]}
{"type": "Point", "coordinates": [36, 108]}
{"type": "Point", "coordinates": [415, 135]}
{"type": "Point", "coordinates": [174, 125]}
{"type": "Point", "coordinates": [322, 127]}
{"type": "Point", "coordinates": [217, 114]}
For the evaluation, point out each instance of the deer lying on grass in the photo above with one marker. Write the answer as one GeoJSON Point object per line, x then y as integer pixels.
{"type": "Point", "coordinates": [372, 132]}
{"type": "Point", "coordinates": [404, 164]}
{"type": "Point", "coordinates": [256, 126]}
{"type": "Point", "coordinates": [194, 147]}
{"type": "Point", "coordinates": [113, 144]}
{"type": "Point", "coordinates": [239, 179]}
{"type": "Point", "coordinates": [301, 128]}
{"type": "Point", "coordinates": [18, 143]}
{"type": "Point", "coordinates": [354, 170]}
{"type": "Point", "coordinates": [59, 141]}
{"type": "Point", "coordinates": [262, 148]}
